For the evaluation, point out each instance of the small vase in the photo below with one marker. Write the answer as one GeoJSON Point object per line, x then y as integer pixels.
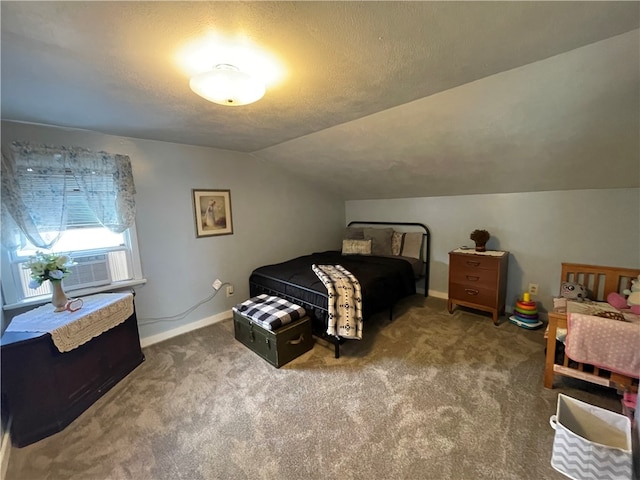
{"type": "Point", "coordinates": [58, 297]}
{"type": "Point", "coordinates": [481, 248]}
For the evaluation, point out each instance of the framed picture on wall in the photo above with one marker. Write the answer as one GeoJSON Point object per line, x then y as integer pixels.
{"type": "Point", "coordinates": [212, 209]}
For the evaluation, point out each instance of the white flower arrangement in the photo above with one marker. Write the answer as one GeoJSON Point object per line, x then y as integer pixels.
{"type": "Point", "coordinates": [47, 266]}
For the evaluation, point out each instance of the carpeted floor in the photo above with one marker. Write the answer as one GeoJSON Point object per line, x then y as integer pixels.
{"type": "Point", "coordinates": [427, 396]}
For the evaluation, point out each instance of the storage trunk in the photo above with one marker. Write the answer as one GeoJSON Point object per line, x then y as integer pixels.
{"type": "Point", "coordinates": [590, 443]}
{"type": "Point", "coordinates": [278, 346]}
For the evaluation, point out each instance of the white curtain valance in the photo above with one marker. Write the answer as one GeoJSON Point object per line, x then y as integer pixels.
{"type": "Point", "coordinates": [39, 180]}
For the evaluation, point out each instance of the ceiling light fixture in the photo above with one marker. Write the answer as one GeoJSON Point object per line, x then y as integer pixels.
{"type": "Point", "coordinates": [227, 85]}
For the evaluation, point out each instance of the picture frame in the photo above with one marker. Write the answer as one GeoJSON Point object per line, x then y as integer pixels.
{"type": "Point", "coordinates": [212, 211]}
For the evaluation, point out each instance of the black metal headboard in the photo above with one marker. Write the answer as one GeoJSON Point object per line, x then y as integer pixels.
{"type": "Point", "coordinates": [426, 243]}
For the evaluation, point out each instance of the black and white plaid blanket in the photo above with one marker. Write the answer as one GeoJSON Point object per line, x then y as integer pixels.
{"type": "Point", "coordinates": [270, 312]}
{"type": "Point", "coordinates": [344, 302]}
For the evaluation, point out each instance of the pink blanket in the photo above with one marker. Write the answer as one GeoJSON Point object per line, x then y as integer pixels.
{"type": "Point", "coordinates": [609, 344]}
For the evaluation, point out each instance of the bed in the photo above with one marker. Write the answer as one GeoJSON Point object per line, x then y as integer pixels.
{"type": "Point", "coordinates": [384, 279]}
{"type": "Point", "coordinates": [600, 281]}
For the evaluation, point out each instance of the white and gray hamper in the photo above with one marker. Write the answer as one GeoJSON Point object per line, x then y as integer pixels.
{"type": "Point", "coordinates": [590, 443]}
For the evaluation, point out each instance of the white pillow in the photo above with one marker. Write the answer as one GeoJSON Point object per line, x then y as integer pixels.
{"type": "Point", "coordinates": [396, 243]}
{"type": "Point", "coordinates": [356, 247]}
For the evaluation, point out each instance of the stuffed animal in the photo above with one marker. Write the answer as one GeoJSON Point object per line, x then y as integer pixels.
{"type": "Point", "coordinates": [573, 291]}
{"type": "Point", "coordinates": [633, 300]}
{"type": "Point", "coordinates": [617, 301]}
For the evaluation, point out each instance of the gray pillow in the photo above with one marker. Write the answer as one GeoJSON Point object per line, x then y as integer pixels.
{"type": "Point", "coordinates": [354, 233]}
{"type": "Point", "coordinates": [380, 240]}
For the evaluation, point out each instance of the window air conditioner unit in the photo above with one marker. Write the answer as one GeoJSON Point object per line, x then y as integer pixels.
{"type": "Point", "coordinates": [89, 271]}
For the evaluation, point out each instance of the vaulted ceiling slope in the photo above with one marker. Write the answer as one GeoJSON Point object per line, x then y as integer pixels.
{"type": "Point", "coordinates": [409, 98]}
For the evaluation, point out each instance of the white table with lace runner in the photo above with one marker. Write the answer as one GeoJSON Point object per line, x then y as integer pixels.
{"type": "Point", "coordinates": [69, 330]}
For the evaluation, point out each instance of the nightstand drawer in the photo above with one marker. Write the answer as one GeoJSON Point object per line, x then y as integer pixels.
{"type": "Point", "coordinates": [475, 295]}
{"type": "Point", "coordinates": [474, 277]}
{"type": "Point", "coordinates": [470, 262]}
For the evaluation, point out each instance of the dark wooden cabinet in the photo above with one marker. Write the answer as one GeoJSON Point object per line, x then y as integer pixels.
{"type": "Point", "coordinates": [44, 390]}
{"type": "Point", "coordinates": [478, 281]}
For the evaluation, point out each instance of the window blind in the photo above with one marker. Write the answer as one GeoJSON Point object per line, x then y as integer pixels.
{"type": "Point", "coordinates": [49, 189]}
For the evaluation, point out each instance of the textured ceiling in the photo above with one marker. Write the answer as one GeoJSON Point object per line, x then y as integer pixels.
{"type": "Point", "coordinates": [412, 98]}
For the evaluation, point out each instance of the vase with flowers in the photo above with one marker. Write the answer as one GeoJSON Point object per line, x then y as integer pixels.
{"type": "Point", "coordinates": [52, 267]}
{"type": "Point", "coordinates": [481, 237]}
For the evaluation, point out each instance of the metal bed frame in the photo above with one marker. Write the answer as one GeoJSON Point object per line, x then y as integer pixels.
{"type": "Point", "coordinates": [425, 248]}
{"type": "Point", "coordinates": [319, 315]}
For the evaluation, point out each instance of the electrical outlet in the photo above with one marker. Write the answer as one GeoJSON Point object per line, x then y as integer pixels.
{"type": "Point", "coordinates": [217, 284]}
{"type": "Point", "coordinates": [533, 288]}
{"type": "Point", "coordinates": [229, 290]}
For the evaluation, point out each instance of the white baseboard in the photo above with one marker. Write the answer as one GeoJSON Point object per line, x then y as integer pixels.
{"type": "Point", "coordinates": [5, 451]}
{"type": "Point", "coordinates": [509, 309]}
{"type": "Point", "coordinates": [205, 322]}
{"type": "Point", "coordinates": [437, 294]}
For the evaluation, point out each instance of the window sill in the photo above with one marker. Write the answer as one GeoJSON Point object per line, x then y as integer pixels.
{"type": "Point", "coordinates": [28, 302]}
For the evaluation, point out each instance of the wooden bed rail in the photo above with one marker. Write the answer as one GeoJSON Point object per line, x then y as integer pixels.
{"type": "Point", "coordinates": [600, 281]}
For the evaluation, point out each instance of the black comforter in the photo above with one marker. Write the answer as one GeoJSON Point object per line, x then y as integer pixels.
{"type": "Point", "coordinates": [383, 280]}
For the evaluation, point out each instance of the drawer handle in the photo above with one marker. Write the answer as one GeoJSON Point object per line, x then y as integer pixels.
{"type": "Point", "coordinates": [471, 291]}
{"type": "Point", "coordinates": [473, 264]}
{"type": "Point", "coordinates": [297, 341]}
{"type": "Point", "coordinates": [473, 278]}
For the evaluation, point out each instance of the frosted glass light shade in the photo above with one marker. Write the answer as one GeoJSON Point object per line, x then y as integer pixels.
{"type": "Point", "coordinates": [226, 85]}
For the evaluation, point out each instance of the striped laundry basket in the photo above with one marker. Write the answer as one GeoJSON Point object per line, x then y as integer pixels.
{"type": "Point", "coordinates": [590, 443]}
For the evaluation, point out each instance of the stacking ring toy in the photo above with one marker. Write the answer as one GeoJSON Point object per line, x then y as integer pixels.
{"type": "Point", "coordinates": [526, 305]}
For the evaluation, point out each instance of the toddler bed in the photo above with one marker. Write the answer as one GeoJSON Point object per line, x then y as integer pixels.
{"type": "Point", "coordinates": [617, 370]}
{"type": "Point", "coordinates": [385, 277]}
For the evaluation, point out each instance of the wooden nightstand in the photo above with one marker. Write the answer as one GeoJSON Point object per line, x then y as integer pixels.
{"type": "Point", "coordinates": [478, 280]}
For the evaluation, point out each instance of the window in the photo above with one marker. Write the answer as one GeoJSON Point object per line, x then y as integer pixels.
{"type": "Point", "coordinates": [72, 201]}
